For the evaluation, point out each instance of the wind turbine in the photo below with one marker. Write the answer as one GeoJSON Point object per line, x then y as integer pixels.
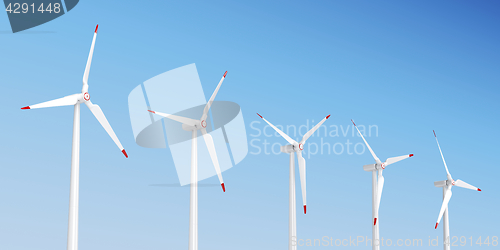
{"type": "Point", "coordinates": [192, 125]}
{"type": "Point", "coordinates": [291, 149]}
{"type": "Point", "coordinates": [377, 186]}
{"type": "Point", "coordinates": [76, 100]}
{"type": "Point", "coordinates": [446, 185]}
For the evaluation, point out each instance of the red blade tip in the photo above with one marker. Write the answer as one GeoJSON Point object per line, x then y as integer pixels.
{"type": "Point", "coordinates": [125, 153]}
{"type": "Point", "coordinates": [328, 117]}
{"type": "Point", "coordinates": [27, 107]}
{"type": "Point", "coordinates": [304, 209]}
{"type": "Point", "coordinates": [260, 115]}
{"type": "Point", "coordinates": [151, 111]}
{"type": "Point", "coordinates": [411, 155]}
{"type": "Point", "coordinates": [97, 26]}
{"type": "Point", "coordinates": [223, 187]}
{"type": "Point", "coordinates": [478, 189]}
{"type": "Point", "coordinates": [434, 133]}
{"type": "Point", "coordinates": [436, 225]}
{"type": "Point", "coordinates": [353, 122]}
{"type": "Point", "coordinates": [225, 74]}
{"type": "Point", "coordinates": [375, 221]}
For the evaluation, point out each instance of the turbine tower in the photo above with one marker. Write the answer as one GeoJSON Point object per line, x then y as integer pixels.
{"type": "Point", "coordinates": [446, 185]}
{"type": "Point", "coordinates": [297, 147]}
{"type": "Point", "coordinates": [193, 125]}
{"type": "Point", "coordinates": [377, 186]}
{"type": "Point", "coordinates": [76, 100]}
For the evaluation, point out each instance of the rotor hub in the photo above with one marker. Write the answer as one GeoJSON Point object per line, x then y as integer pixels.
{"type": "Point", "coordinates": [301, 146]}
{"type": "Point", "coordinates": [86, 96]}
{"type": "Point", "coordinates": [204, 124]}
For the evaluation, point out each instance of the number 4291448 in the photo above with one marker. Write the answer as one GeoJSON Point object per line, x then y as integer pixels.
{"type": "Point", "coordinates": [493, 241]}
{"type": "Point", "coordinates": [23, 8]}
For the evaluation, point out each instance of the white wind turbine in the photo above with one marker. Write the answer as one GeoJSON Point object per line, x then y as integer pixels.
{"type": "Point", "coordinates": [192, 125]}
{"type": "Point", "coordinates": [76, 100]}
{"type": "Point", "coordinates": [377, 186]}
{"type": "Point", "coordinates": [446, 185]}
{"type": "Point", "coordinates": [291, 149]}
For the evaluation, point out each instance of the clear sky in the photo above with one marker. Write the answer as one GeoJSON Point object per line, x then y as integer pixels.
{"type": "Point", "coordinates": [407, 67]}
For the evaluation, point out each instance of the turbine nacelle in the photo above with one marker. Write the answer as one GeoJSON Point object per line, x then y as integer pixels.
{"type": "Point", "coordinates": [83, 97]}
{"type": "Point", "coordinates": [290, 148]}
{"type": "Point", "coordinates": [373, 167]}
{"type": "Point", "coordinates": [445, 183]}
{"type": "Point", "coordinates": [441, 184]}
{"type": "Point", "coordinates": [197, 126]}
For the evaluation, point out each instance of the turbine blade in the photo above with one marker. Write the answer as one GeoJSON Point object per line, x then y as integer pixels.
{"type": "Point", "coordinates": [99, 115]}
{"type": "Point", "coordinates": [64, 101]}
{"type": "Point", "coordinates": [310, 132]}
{"type": "Point", "coordinates": [184, 120]}
{"type": "Point", "coordinates": [89, 60]}
{"type": "Point", "coordinates": [367, 145]}
{"type": "Point", "coordinates": [287, 138]}
{"type": "Point", "coordinates": [444, 206]}
{"type": "Point", "coordinates": [463, 184]}
{"type": "Point", "coordinates": [302, 171]}
{"type": "Point", "coordinates": [209, 103]}
{"type": "Point", "coordinates": [448, 172]}
{"type": "Point", "coordinates": [392, 160]}
{"type": "Point", "coordinates": [211, 149]}
{"type": "Point", "coordinates": [380, 187]}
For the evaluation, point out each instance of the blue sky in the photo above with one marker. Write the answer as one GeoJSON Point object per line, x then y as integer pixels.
{"type": "Point", "coordinates": [406, 67]}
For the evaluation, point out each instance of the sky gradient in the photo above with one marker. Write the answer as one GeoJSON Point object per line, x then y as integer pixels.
{"type": "Point", "coordinates": [408, 67]}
